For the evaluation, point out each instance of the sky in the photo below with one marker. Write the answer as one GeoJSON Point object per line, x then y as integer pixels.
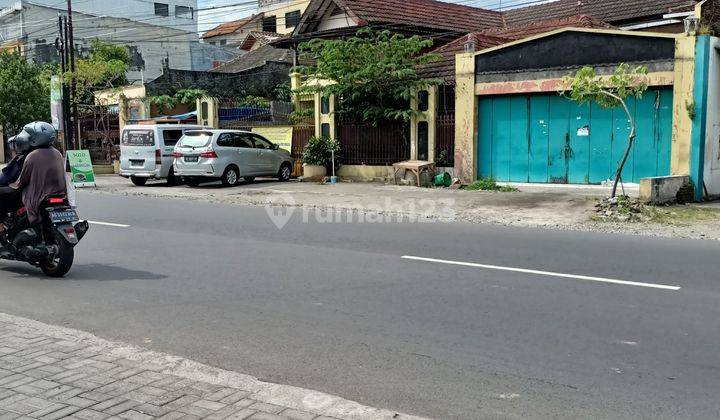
{"type": "Point", "coordinates": [211, 18]}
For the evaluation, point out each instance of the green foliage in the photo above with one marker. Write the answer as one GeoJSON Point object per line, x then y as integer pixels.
{"type": "Point", "coordinates": [488, 184]}
{"type": "Point", "coordinates": [105, 68]}
{"type": "Point", "coordinates": [282, 93]}
{"type": "Point", "coordinates": [610, 92]}
{"type": "Point", "coordinates": [254, 102]}
{"type": "Point", "coordinates": [587, 86]}
{"type": "Point", "coordinates": [690, 108]}
{"type": "Point", "coordinates": [181, 96]}
{"type": "Point", "coordinates": [319, 151]}
{"type": "Point", "coordinates": [24, 93]}
{"type": "Point", "coordinates": [442, 157]}
{"type": "Point", "coordinates": [305, 116]}
{"type": "Point", "coordinates": [372, 73]}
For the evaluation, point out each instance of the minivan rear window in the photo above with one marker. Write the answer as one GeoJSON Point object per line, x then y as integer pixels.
{"type": "Point", "coordinates": [195, 139]}
{"type": "Point", "coordinates": [138, 138]}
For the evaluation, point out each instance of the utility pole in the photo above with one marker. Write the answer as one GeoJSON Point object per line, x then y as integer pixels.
{"type": "Point", "coordinates": [62, 49]}
{"type": "Point", "coordinates": [71, 52]}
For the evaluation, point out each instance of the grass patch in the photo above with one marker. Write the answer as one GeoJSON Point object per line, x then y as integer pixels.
{"type": "Point", "coordinates": [680, 215]}
{"type": "Point", "coordinates": [488, 184]}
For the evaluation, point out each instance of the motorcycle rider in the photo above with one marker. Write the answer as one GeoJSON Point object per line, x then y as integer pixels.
{"type": "Point", "coordinates": [42, 174]}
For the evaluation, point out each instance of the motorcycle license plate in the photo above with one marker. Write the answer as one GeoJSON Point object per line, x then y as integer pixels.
{"type": "Point", "coordinates": [63, 216]}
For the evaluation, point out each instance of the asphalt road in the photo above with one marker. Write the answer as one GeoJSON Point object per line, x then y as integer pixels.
{"type": "Point", "coordinates": [335, 307]}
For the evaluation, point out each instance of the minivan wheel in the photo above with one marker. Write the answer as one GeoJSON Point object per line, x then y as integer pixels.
{"type": "Point", "coordinates": [285, 172]}
{"type": "Point", "coordinates": [138, 181]}
{"type": "Point", "coordinates": [230, 177]}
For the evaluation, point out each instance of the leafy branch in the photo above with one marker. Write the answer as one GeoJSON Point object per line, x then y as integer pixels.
{"type": "Point", "coordinates": [610, 92]}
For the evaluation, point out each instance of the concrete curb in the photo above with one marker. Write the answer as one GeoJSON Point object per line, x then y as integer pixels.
{"type": "Point", "coordinates": [284, 395]}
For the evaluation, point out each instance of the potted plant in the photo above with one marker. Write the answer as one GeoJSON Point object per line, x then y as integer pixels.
{"type": "Point", "coordinates": [317, 157]}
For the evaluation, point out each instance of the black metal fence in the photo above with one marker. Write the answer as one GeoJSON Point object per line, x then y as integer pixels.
{"type": "Point", "coordinates": [366, 144]}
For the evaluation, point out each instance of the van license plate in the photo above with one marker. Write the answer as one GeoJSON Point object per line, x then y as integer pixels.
{"type": "Point", "coordinates": [63, 216]}
{"type": "Point", "coordinates": [191, 158]}
{"type": "Point", "coordinates": [135, 162]}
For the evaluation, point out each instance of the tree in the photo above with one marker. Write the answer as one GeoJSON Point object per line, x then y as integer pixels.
{"type": "Point", "coordinates": [372, 73]}
{"type": "Point", "coordinates": [105, 68]}
{"type": "Point", "coordinates": [610, 92]}
{"type": "Point", "coordinates": [24, 95]}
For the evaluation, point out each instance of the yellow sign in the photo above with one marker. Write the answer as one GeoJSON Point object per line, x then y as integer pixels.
{"type": "Point", "coordinates": [282, 136]}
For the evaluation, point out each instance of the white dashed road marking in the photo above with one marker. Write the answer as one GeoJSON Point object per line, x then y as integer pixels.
{"type": "Point", "coordinates": [108, 224]}
{"type": "Point", "coordinates": [545, 273]}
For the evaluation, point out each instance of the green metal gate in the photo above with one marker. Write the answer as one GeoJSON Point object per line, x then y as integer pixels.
{"type": "Point", "coordinates": [550, 139]}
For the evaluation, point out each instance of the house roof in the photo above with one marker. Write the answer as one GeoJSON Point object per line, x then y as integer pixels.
{"type": "Point", "coordinates": [259, 37]}
{"type": "Point", "coordinates": [230, 27]}
{"type": "Point", "coordinates": [256, 58]}
{"type": "Point", "coordinates": [611, 11]}
{"type": "Point", "coordinates": [429, 14]}
{"type": "Point", "coordinates": [444, 68]}
{"type": "Point", "coordinates": [520, 31]}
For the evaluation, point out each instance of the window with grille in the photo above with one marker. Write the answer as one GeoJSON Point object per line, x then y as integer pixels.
{"type": "Point", "coordinates": [162, 9]}
{"type": "Point", "coordinates": [184, 12]}
{"type": "Point", "coordinates": [292, 19]}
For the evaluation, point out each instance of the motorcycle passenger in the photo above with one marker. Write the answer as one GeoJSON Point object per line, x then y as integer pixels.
{"type": "Point", "coordinates": [42, 175]}
{"type": "Point", "coordinates": [11, 172]}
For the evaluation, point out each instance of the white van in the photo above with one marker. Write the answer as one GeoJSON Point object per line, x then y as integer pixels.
{"type": "Point", "coordinates": [146, 151]}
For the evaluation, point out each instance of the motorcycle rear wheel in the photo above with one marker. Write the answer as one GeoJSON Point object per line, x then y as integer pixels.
{"type": "Point", "coordinates": [62, 262]}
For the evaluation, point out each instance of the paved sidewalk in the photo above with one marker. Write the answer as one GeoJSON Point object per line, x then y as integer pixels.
{"type": "Point", "coordinates": [50, 372]}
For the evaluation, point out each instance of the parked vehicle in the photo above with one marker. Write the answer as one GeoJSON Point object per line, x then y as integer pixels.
{"type": "Point", "coordinates": [228, 155]}
{"type": "Point", "coordinates": [49, 244]}
{"type": "Point", "coordinates": [146, 151]}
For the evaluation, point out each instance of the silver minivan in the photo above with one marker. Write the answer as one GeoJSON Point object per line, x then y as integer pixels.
{"type": "Point", "coordinates": [228, 155]}
{"type": "Point", "coordinates": [146, 151]}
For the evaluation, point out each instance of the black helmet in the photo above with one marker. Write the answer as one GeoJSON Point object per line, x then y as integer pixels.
{"type": "Point", "coordinates": [40, 134]}
{"type": "Point", "coordinates": [19, 144]}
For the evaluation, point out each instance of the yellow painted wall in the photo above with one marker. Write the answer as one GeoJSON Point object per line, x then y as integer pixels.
{"type": "Point", "coordinates": [465, 118]}
{"type": "Point", "coordinates": [683, 98]}
{"type": "Point", "coordinates": [279, 13]}
{"type": "Point", "coordinates": [365, 172]}
{"type": "Point", "coordinates": [430, 117]}
{"type": "Point", "coordinates": [321, 118]}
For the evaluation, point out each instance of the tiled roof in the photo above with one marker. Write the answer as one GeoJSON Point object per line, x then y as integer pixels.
{"type": "Point", "coordinates": [444, 68]}
{"type": "Point", "coordinates": [611, 11]}
{"type": "Point", "coordinates": [419, 13]}
{"type": "Point", "coordinates": [526, 30]}
{"type": "Point", "coordinates": [230, 27]}
{"type": "Point", "coordinates": [259, 37]}
{"type": "Point", "coordinates": [256, 58]}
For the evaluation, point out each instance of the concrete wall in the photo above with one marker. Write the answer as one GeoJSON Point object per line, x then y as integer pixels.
{"type": "Point", "coordinates": [683, 99]}
{"type": "Point", "coordinates": [712, 136]}
{"type": "Point", "coordinates": [466, 118]}
{"type": "Point", "coordinates": [429, 117]}
{"type": "Point", "coordinates": [365, 173]}
{"type": "Point", "coordinates": [137, 10]}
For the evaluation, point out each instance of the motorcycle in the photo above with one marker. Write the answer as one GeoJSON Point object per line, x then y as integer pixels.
{"type": "Point", "coordinates": [50, 243]}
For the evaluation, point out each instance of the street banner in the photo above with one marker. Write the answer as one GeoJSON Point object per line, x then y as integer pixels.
{"type": "Point", "coordinates": [56, 111]}
{"type": "Point", "coordinates": [81, 169]}
{"type": "Point", "coordinates": [281, 135]}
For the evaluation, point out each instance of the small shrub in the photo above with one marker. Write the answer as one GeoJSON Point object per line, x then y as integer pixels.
{"type": "Point", "coordinates": [489, 184]}
{"type": "Point", "coordinates": [319, 152]}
